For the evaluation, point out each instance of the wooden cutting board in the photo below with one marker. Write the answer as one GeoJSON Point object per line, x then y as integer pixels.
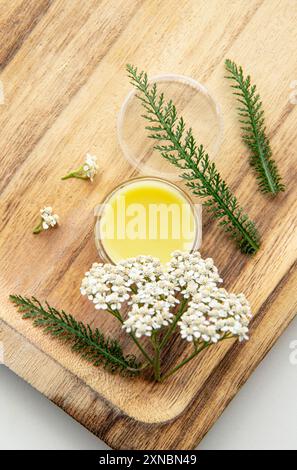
{"type": "Point", "coordinates": [63, 81]}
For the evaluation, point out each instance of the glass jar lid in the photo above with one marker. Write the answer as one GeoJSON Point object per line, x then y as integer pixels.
{"type": "Point", "coordinates": [193, 102]}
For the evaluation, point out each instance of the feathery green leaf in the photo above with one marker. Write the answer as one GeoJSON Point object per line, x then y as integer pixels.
{"type": "Point", "coordinates": [178, 145]}
{"type": "Point", "coordinates": [251, 116]}
{"type": "Point", "coordinates": [92, 345]}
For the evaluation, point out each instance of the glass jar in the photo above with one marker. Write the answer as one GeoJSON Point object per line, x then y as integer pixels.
{"type": "Point", "coordinates": [147, 216]}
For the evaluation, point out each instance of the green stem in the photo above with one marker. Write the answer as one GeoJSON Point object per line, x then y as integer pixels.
{"type": "Point", "coordinates": [76, 174]}
{"type": "Point", "coordinates": [140, 347]}
{"type": "Point", "coordinates": [188, 359]}
{"type": "Point", "coordinates": [185, 361]}
{"type": "Point", "coordinates": [118, 316]}
{"type": "Point", "coordinates": [157, 361]}
{"type": "Point", "coordinates": [38, 228]}
{"type": "Point", "coordinates": [174, 323]}
{"type": "Point", "coordinates": [157, 366]}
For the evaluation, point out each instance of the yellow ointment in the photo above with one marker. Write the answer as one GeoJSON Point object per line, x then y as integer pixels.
{"type": "Point", "coordinates": [146, 216]}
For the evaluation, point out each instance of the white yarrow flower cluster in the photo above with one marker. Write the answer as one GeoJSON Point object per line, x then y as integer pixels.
{"type": "Point", "coordinates": [142, 269]}
{"type": "Point", "coordinates": [151, 291]}
{"type": "Point", "coordinates": [151, 307]}
{"type": "Point", "coordinates": [90, 166]}
{"type": "Point", "coordinates": [48, 218]}
{"type": "Point", "coordinates": [213, 314]}
{"type": "Point", "coordinates": [107, 286]}
{"type": "Point", "coordinates": [189, 271]}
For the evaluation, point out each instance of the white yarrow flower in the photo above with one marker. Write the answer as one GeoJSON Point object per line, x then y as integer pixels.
{"type": "Point", "coordinates": [90, 166]}
{"type": "Point", "coordinates": [88, 170]}
{"type": "Point", "coordinates": [47, 220]}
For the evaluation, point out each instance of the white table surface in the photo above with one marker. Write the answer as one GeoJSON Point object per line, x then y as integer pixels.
{"type": "Point", "coordinates": [263, 415]}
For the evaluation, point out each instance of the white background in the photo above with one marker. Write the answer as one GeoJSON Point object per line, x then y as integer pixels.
{"type": "Point", "coordinates": [263, 415]}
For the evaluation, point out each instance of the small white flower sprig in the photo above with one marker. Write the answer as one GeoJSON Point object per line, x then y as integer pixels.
{"type": "Point", "coordinates": [86, 171]}
{"type": "Point", "coordinates": [47, 220]}
{"type": "Point", "coordinates": [183, 294]}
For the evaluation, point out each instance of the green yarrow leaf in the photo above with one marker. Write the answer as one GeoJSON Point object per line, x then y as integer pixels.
{"type": "Point", "coordinates": [178, 145]}
{"type": "Point", "coordinates": [251, 118]}
{"type": "Point", "coordinates": [90, 344]}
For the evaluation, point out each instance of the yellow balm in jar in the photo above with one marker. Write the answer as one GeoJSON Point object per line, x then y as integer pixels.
{"type": "Point", "coordinates": [147, 216]}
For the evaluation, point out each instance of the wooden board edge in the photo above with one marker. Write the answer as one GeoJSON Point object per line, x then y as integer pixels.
{"type": "Point", "coordinates": [120, 431]}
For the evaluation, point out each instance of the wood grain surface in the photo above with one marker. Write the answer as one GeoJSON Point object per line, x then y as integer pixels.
{"type": "Point", "coordinates": [63, 78]}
